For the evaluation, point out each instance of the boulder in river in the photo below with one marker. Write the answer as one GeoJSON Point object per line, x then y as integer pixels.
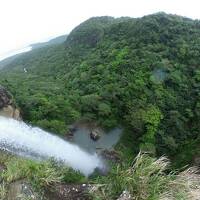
{"type": "Point", "coordinates": [72, 128]}
{"type": "Point", "coordinates": [95, 135]}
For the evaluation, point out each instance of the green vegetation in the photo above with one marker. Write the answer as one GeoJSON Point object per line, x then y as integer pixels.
{"type": "Point", "coordinates": [145, 179]}
{"type": "Point", "coordinates": [141, 73]}
{"type": "Point", "coordinates": [40, 175]}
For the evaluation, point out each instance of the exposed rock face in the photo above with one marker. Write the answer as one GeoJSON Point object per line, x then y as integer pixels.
{"type": "Point", "coordinates": [111, 155]}
{"type": "Point", "coordinates": [7, 107]}
{"type": "Point", "coordinates": [5, 98]}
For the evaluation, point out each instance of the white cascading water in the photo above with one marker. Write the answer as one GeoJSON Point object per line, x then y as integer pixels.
{"type": "Point", "coordinates": [21, 139]}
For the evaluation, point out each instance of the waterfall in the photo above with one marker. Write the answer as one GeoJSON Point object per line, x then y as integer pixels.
{"type": "Point", "coordinates": [24, 140]}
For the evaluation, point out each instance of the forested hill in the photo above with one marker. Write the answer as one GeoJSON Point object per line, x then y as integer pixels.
{"type": "Point", "coordinates": [58, 40]}
{"type": "Point", "coordinates": [143, 73]}
{"type": "Point", "coordinates": [53, 42]}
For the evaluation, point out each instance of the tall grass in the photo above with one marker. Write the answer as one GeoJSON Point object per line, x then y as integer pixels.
{"type": "Point", "coordinates": [145, 179]}
{"type": "Point", "coordinates": [40, 174]}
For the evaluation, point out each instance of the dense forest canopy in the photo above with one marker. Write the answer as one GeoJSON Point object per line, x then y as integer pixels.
{"type": "Point", "coordinates": [142, 73]}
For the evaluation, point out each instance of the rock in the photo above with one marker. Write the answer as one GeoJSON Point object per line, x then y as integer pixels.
{"type": "Point", "coordinates": [10, 112]}
{"type": "Point", "coordinates": [7, 107]}
{"type": "Point", "coordinates": [68, 191]}
{"type": "Point", "coordinates": [20, 190]}
{"type": "Point", "coordinates": [72, 128]}
{"type": "Point", "coordinates": [5, 98]}
{"type": "Point", "coordinates": [95, 135]}
{"type": "Point", "coordinates": [70, 133]}
{"type": "Point", "coordinates": [125, 196]}
{"type": "Point", "coordinates": [111, 155]}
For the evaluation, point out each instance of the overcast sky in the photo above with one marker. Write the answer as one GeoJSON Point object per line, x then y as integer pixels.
{"type": "Point", "coordinates": [23, 22]}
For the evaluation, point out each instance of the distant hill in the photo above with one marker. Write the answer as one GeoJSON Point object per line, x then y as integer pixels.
{"type": "Point", "coordinates": [141, 73]}
{"type": "Point", "coordinates": [54, 41]}
{"type": "Point", "coordinates": [57, 40]}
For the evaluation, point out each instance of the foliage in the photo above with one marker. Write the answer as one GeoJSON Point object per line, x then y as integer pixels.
{"type": "Point", "coordinates": [146, 179]}
{"type": "Point", "coordinates": [71, 176]}
{"type": "Point", "coordinates": [39, 174]}
{"type": "Point", "coordinates": [142, 73]}
{"type": "Point", "coordinates": [151, 118]}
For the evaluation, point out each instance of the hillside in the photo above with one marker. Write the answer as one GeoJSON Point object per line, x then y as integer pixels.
{"type": "Point", "coordinates": [54, 41]}
{"type": "Point", "coordinates": [141, 73]}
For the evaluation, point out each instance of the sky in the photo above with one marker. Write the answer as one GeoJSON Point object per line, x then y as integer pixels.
{"type": "Point", "coordinates": [23, 22]}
